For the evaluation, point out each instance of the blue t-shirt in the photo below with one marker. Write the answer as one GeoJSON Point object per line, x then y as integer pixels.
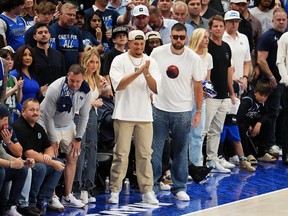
{"type": "Point", "coordinates": [30, 88]}
{"type": "Point", "coordinates": [109, 17]}
{"type": "Point", "coordinates": [88, 39]}
{"type": "Point", "coordinates": [268, 43]}
{"type": "Point", "coordinates": [29, 20]}
{"type": "Point", "coordinates": [69, 42]}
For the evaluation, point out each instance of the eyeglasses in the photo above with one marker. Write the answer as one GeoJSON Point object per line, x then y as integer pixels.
{"type": "Point", "coordinates": [176, 37]}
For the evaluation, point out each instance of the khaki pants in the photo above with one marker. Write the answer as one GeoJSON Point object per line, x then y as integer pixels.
{"type": "Point", "coordinates": [216, 110]}
{"type": "Point", "coordinates": [142, 133]}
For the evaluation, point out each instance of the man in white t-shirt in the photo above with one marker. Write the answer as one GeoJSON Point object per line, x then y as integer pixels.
{"type": "Point", "coordinates": [181, 72]}
{"type": "Point", "coordinates": [134, 76]}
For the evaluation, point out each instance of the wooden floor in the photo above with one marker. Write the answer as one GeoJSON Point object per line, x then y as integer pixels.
{"type": "Point", "coordinates": [274, 203]}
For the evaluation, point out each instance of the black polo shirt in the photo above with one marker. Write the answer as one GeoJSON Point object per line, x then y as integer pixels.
{"type": "Point", "coordinates": [34, 138]}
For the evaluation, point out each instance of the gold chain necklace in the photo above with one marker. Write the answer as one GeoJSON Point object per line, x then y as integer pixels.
{"type": "Point", "coordinates": [133, 62]}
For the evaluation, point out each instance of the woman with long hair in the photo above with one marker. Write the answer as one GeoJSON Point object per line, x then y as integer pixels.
{"type": "Point", "coordinates": [28, 12]}
{"type": "Point", "coordinates": [24, 69]}
{"type": "Point", "coordinates": [96, 26]}
{"type": "Point", "coordinates": [87, 161]}
{"type": "Point", "coordinates": [199, 43]}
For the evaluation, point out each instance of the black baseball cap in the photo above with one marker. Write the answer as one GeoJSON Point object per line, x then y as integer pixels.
{"type": "Point", "coordinates": [120, 29]}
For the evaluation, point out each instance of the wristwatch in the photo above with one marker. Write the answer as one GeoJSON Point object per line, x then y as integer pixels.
{"type": "Point", "coordinates": [78, 139]}
{"type": "Point", "coordinates": [7, 144]}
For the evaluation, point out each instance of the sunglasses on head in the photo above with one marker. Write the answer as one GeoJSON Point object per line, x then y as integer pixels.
{"type": "Point", "coordinates": [176, 37]}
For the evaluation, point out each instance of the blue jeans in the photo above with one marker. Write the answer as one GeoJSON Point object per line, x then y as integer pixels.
{"type": "Point", "coordinates": [24, 199]}
{"type": "Point", "coordinates": [17, 176]}
{"type": "Point", "coordinates": [196, 138]}
{"type": "Point", "coordinates": [179, 123]}
{"type": "Point", "coordinates": [44, 181]}
{"type": "Point", "coordinates": [87, 161]}
{"type": "Point", "coordinates": [273, 102]}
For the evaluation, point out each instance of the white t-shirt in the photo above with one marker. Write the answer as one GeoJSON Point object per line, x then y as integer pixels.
{"type": "Point", "coordinates": [207, 64]}
{"type": "Point", "coordinates": [240, 52]}
{"type": "Point", "coordinates": [264, 17]}
{"type": "Point", "coordinates": [133, 103]}
{"type": "Point", "coordinates": [176, 95]}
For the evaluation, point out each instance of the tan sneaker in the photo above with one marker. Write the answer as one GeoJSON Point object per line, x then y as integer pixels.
{"type": "Point", "coordinates": [267, 158]}
{"type": "Point", "coordinates": [247, 166]}
{"type": "Point", "coordinates": [252, 160]}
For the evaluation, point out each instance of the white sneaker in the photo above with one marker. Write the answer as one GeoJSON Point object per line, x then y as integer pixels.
{"type": "Point", "coordinates": [190, 178]}
{"type": "Point", "coordinates": [84, 197]}
{"type": "Point", "coordinates": [217, 167]}
{"type": "Point", "coordinates": [114, 198]}
{"type": "Point", "coordinates": [150, 198]}
{"type": "Point", "coordinates": [182, 196]}
{"type": "Point", "coordinates": [55, 204]}
{"type": "Point", "coordinates": [164, 186]}
{"type": "Point", "coordinates": [274, 149]}
{"type": "Point", "coordinates": [224, 163]}
{"type": "Point", "coordinates": [234, 159]}
{"type": "Point", "coordinates": [71, 201]}
{"type": "Point", "coordinates": [12, 212]}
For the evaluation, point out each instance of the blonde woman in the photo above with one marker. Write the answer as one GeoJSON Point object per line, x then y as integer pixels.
{"type": "Point", "coordinates": [28, 12]}
{"type": "Point", "coordinates": [86, 164]}
{"type": "Point", "coordinates": [198, 43]}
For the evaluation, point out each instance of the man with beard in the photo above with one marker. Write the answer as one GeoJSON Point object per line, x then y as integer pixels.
{"type": "Point", "coordinates": [141, 18]}
{"type": "Point", "coordinates": [182, 77]}
{"type": "Point", "coordinates": [49, 62]}
{"type": "Point", "coordinates": [264, 12]}
{"type": "Point", "coordinates": [134, 76]}
{"type": "Point", "coordinates": [44, 12]}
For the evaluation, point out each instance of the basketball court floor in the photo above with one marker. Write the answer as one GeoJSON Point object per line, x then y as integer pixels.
{"type": "Point", "coordinates": [240, 193]}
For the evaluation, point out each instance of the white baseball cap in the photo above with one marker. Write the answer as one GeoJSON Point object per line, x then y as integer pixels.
{"type": "Point", "coordinates": [153, 34]}
{"type": "Point", "coordinates": [140, 10]}
{"type": "Point", "coordinates": [136, 35]}
{"type": "Point", "coordinates": [232, 15]}
{"type": "Point", "coordinates": [238, 1]}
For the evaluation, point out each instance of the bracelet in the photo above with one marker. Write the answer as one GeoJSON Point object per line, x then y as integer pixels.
{"type": "Point", "coordinates": [245, 76]}
{"type": "Point", "coordinates": [199, 111]}
{"type": "Point", "coordinates": [271, 78]}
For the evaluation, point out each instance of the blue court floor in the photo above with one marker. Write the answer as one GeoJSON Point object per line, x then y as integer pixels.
{"type": "Point", "coordinates": [216, 190]}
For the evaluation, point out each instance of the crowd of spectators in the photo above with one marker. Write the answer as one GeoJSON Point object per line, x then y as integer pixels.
{"type": "Point", "coordinates": [188, 84]}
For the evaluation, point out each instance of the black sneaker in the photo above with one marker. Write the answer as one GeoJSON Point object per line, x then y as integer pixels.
{"type": "Point", "coordinates": [27, 211]}
{"type": "Point", "coordinates": [37, 210]}
{"type": "Point", "coordinates": [199, 173]}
